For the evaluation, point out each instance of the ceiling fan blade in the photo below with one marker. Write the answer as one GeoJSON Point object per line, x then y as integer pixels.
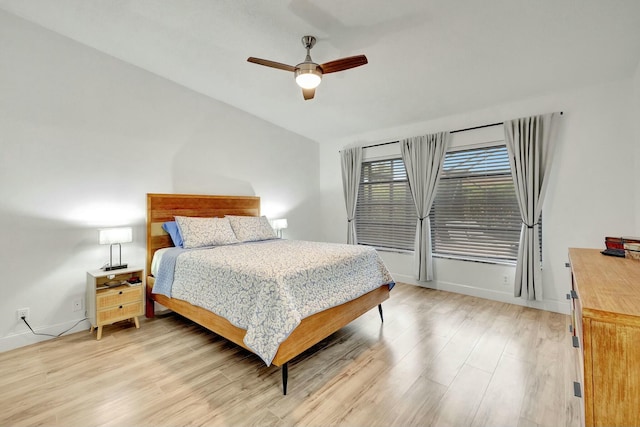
{"type": "Point", "coordinates": [308, 93]}
{"type": "Point", "coordinates": [272, 64]}
{"type": "Point", "coordinates": [343, 64]}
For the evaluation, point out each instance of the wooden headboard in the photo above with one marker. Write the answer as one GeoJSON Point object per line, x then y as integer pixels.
{"type": "Point", "coordinates": [163, 207]}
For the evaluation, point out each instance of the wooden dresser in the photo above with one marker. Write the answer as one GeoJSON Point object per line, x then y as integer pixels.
{"type": "Point", "coordinates": [606, 330]}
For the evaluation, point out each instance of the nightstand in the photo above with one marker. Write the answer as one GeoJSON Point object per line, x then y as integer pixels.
{"type": "Point", "coordinates": [113, 296]}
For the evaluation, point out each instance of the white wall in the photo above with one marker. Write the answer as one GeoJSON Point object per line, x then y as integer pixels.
{"type": "Point", "coordinates": [84, 137]}
{"type": "Point", "coordinates": [592, 193]}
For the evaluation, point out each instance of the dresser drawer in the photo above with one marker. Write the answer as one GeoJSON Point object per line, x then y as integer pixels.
{"type": "Point", "coordinates": [578, 322]}
{"type": "Point", "coordinates": [118, 296]}
{"type": "Point", "coordinates": [120, 312]}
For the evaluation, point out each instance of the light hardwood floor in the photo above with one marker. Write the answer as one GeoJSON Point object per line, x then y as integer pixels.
{"type": "Point", "coordinates": [439, 359]}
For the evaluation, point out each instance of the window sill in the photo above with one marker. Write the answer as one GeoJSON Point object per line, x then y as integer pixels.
{"type": "Point", "coordinates": [392, 250]}
{"type": "Point", "coordinates": [478, 260]}
{"type": "Point", "coordinates": [452, 257]}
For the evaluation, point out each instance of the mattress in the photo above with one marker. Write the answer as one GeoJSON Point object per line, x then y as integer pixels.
{"type": "Point", "coordinates": [268, 287]}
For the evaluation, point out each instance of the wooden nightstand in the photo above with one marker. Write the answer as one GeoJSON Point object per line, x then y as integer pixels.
{"type": "Point", "coordinates": [112, 297]}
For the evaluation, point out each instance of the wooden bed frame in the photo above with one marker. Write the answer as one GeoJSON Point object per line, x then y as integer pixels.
{"type": "Point", "coordinates": [313, 329]}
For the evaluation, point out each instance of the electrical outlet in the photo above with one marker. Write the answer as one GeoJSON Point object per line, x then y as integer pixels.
{"type": "Point", "coordinates": [505, 280]}
{"type": "Point", "coordinates": [22, 312]}
{"type": "Point", "coordinates": [77, 304]}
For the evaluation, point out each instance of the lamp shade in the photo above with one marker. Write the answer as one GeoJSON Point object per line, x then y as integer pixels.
{"type": "Point", "coordinates": [112, 236]}
{"type": "Point", "coordinates": [279, 224]}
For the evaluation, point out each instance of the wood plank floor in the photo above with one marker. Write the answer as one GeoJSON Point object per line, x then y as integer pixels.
{"type": "Point", "coordinates": [439, 359]}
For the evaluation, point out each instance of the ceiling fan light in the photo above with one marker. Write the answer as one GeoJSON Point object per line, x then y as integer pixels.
{"type": "Point", "coordinates": [308, 80]}
{"type": "Point", "coordinates": [308, 76]}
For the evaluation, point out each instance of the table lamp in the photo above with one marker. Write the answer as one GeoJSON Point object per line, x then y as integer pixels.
{"type": "Point", "coordinates": [279, 225]}
{"type": "Point", "coordinates": [112, 237]}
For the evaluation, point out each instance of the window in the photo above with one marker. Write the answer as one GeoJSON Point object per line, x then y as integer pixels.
{"type": "Point", "coordinates": [475, 214]}
{"type": "Point", "coordinates": [385, 213]}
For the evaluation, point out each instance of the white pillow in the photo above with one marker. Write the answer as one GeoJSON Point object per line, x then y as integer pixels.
{"type": "Point", "coordinates": [251, 228]}
{"type": "Point", "coordinates": [200, 232]}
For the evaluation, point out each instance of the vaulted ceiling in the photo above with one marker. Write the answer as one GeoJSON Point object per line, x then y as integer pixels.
{"type": "Point", "coordinates": [427, 58]}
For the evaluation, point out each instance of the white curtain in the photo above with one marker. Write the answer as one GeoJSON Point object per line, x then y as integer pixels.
{"type": "Point", "coordinates": [351, 159]}
{"type": "Point", "coordinates": [530, 143]}
{"type": "Point", "coordinates": [423, 158]}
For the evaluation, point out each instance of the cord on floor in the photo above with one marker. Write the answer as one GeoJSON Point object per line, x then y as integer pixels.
{"type": "Point", "coordinates": [50, 335]}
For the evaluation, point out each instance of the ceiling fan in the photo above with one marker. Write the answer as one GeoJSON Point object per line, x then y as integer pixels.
{"type": "Point", "coordinates": [308, 74]}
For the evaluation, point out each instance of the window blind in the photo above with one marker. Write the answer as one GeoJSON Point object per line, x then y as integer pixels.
{"type": "Point", "coordinates": [475, 213]}
{"type": "Point", "coordinates": [385, 213]}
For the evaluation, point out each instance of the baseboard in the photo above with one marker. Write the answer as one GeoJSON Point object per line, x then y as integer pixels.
{"type": "Point", "coordinates": [23, 339]}
{"type": "Point", "coordinates": [547, 305]}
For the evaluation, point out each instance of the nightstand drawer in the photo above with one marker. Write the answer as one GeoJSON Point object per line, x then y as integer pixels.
{"type": "Point", "coordinates": [118, 296]}
{"type": "Point", "coordinates": [120, 312]}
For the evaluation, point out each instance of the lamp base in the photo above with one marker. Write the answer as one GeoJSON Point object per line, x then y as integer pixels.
{"type": "Point", "coordinates": [115, 267]}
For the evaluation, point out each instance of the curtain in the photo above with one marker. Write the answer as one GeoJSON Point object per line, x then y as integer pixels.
{"type": "Point", "coordinates": [530, 143]}
{"type": "Point", "coordinates": [423, 158]}
{"type": "Point", "coordinates": [351, 159]}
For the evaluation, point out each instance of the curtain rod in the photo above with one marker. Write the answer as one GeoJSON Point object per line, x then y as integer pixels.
{"type": "Point", "coordinates": [477, 127]}
{"type": "Point", "coordinates": [453, 131]}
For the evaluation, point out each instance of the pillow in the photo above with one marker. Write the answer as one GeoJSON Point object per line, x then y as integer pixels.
{"type": "Point", "coordinates": [200, 232]}
{"type": "Point", "coordinates": [172, 228]}
{"type": "Point", "coordinates": [251, 228]}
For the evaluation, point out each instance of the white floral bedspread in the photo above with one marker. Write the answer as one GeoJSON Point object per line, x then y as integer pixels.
{"type": "Point", "coordinates": [268, 287]}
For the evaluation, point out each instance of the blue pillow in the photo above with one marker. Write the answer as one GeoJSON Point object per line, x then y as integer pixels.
{"type": "Point", "coordinates": [172, 228]}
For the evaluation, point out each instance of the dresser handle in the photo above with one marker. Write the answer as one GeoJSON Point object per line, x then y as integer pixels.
{"type": "Point", "coordinates": [120, 308]}
{"type": "Point", "coordinates": [577, 392]}
{"type": "Point", "coordinates": [120, 293]}
{"type": "Point", "coordinates": [576, 341]}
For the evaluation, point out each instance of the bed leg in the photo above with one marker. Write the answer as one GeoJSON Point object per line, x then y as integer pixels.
{"type": "Point", "coordinates": [285, 377]}
{"type": "Point", "coordinates": [380, 310]}
{"type": "Point", "coordinates": [150, 311]}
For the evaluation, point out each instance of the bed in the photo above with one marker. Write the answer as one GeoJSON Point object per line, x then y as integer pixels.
{"type": "Point", "coordinates": [162, 208]}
